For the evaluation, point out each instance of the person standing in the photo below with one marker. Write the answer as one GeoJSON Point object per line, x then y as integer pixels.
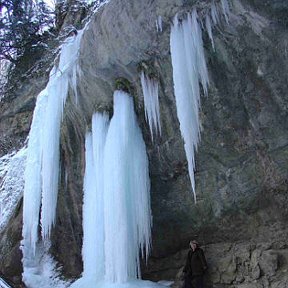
{"type": "Point", "coordinates": [195, 267]}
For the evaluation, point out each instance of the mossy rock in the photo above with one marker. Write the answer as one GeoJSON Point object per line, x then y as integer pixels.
{"type": "Point", "coordinates": [124, 85]}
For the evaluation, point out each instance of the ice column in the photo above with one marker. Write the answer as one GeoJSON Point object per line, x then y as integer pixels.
{"type": "Point", "coordinates": [57, 90]}
{"type": "Point", "coordinates": [93, 207]}
{"type": "Point", "coordinates": [126, 193]}
{"type": "Point", "coordinates": [151, 103]}
{"type": "Point", "coordinates": [32, 176]}
{"type": "Point", "coordinates": [189, 68]}
{"type": "Point", "coordinates": [42, 168]}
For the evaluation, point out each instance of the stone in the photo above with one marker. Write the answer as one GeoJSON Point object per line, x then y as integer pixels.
{"type": "Point", "coordinates": [268, 263]}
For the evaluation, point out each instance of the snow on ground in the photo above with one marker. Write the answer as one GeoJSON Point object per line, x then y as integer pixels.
{"type": "Point", "coordinates": [91, 283]}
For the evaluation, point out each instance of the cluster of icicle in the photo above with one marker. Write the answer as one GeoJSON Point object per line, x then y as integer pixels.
{"type": "Point", "coordinates": [12, 168]}
{"type": "Point", "coordinates": [151, 103]}
{"type": "Point", "coordinates": [116, 196]}
{"type": "Point", "coordinates": [189, 70]}
{"type": "Point", "coordinates": [43, 156]}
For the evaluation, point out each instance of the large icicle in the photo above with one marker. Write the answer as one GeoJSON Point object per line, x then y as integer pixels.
{"type": "Point", "coordinates": [57, 90]}
{"type": "Point", "coordinates": [151, 103]}
{"type": "Point", "coordinates": [32, 176]}
{"type": "Point", "coordinates": [189, 68]}
{"type": "Point", "coordinates": [42, 169]}
{"type": "Point", "coordinates": [127, 193]}
{"type": "Point", "coordinates": [93, 207]}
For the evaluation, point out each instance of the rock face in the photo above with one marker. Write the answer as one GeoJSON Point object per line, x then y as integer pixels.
{"type": "Point", "coordinates": [241, 177]}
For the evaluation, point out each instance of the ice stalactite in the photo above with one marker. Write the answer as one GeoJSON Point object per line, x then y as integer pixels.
{"type": "Point", "coordinates": [57, 90]}
{"type": "Point", "coordinates": [151, 103]}
{"type": "Point", "coordinates": [32, 176]}
{"type": "Point", "coordinates": [189, 69]}
{"type": "Point", "coordinates": [159, 24]}
{"type": "Point", "coordinates": [214, 13]}
{"type": "Point", "coordinates": [42, 168]}
{"type": "Point", "coordinates": [127, 193]}
{"type": "Point", "coordinates": [208, 26]}
{"type": "Point", "coordinates": [225, 10]}
{"type": "Point", "coordinates": [93, 206]}
{"type": "Point", "coordinates": [116, 210]}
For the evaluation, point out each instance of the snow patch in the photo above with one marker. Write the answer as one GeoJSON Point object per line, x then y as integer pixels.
{"type": "Point", "coordinates": [11, 184]}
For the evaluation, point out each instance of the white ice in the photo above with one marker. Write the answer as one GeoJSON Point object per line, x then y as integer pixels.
{"type": "Point", "coordinates": [40, 269]}
{"type": "Point", "coordinates": [208, 26]}
{"type": "Point", "coordinates": [133, 283]}
{"type": "Point", "coordinates": [32, 175]}
{"type": "Point", "coordinates": [151, 103]}
{"type": "Point", "coordinates": [214, 13]}
{"type": "Point", "coordinates": [42, 169]}
{"type": "Point", "coordinates": [93, 206]}
{"type": "Point", "coordinates": [123, 210]}
{"type": "Point", "coordinates": [159, 24]}
{"type": "Point", "coordinates": [225, 9]}
{"type": "Point", "coordinates": [189, 68]}
{"type": "Point", "coordinates": [57, 90]}
{"type": "Point", "coordinates": [127, 194]}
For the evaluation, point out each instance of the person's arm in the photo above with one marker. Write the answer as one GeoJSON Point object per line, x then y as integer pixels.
{"type": "Point", "coordinates": [203, 260]}
{"type": "Point", "coordinates": [187, 265]}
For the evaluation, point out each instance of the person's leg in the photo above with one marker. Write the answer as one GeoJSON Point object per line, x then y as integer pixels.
{"type": "Point", "coordinates": [187, 282]}
{"type": "Point", "coordinates": [197, 282]}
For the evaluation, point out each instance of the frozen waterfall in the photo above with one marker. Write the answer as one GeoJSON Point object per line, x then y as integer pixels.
{"type": "Point", "coordinates": [151, 103]}
{"type": "Point", "coordinates": [43, 156]}
{"type": "Point", "coordinates": [117, 176]}
{"type": "Point", "coordinates": [57, 90]}
{"type": "Point", "coordinates": [127, 193]}
{"type": "Point", "coordinates": [32, 176]}
{"type": "Point", "coordinates": [189, 68]}
{"type": "Point", "coordinates": [93, 206]}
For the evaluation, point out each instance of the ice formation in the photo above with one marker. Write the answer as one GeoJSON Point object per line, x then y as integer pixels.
{"type": "Point", "coordinates": [225, 9]}
{"type": "Point", "coordinates": [93, 206]}
{"type": "Point", "coordinates": [32, 176]}
{"type": "Point", "coordinates": [151, 103]}
{"type": "Point", "coordinates": [214, 13]}
{"type": "Point", "coordinates": [189, 69]}
{"type": "Point", "coordinates": [40, 269]}
{"type": "Point", "coordinates": [209, 29]}
{"type": "Point", "coordinates": [127, 193]}
{"type": "Point", "coordinates": [3, 284]}
{"type": "Point", "coordinates": [116, 200]}
{"type": "Point", "coordinates": [159, 24]}
{"type": "Point", "coordinates": [12, 168]}
{"type": "Point", "coordinates": [42, 169]}
{"type": "Point", "coordinates": [57, 90]}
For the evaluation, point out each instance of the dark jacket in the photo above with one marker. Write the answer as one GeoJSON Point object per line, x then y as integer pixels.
{"type": "Point", "coordinates": [196, 263]}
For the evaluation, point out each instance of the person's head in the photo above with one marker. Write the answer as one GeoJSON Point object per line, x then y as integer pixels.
{"type": "Point", "coordinates": [193, 244]}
